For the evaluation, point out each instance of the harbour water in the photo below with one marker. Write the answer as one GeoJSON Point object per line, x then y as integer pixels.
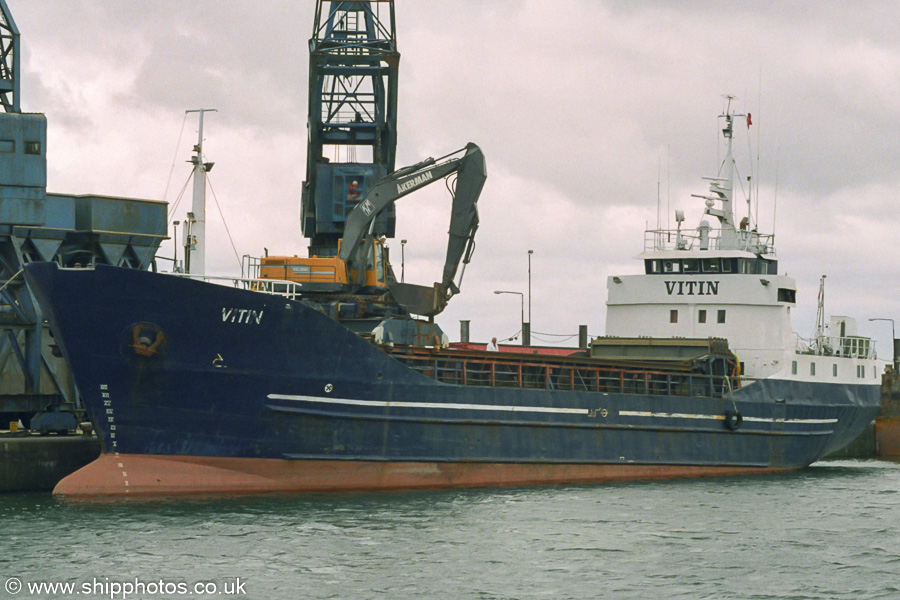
{"type": "Point", "coordinates": [830, 532]}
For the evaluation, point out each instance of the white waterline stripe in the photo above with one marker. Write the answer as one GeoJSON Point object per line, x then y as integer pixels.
{"type": "Point", "coordinates": [531, 409]}
{"type": "Point", "coordinates": [815, 421]}
{"type": "Point", "coordinates": [448, 406]}
{"type": "Point", "coordinates": [639, 413]}
{"type": "Point", "coordinates": [645, 413]}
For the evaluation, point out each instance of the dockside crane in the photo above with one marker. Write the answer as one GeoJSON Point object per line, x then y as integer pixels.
{"type": "Point", "coordinates": [353, 67]}
{"type": "Point", "coordinates": [348, 199]}
{"type": "Point", "coordinates": [9, 60]}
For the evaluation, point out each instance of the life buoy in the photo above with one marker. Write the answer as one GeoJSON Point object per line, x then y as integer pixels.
{"type": "Point", "coordinates": [733, 420]}
{"type": "Point", "coordinates": [141, 342]}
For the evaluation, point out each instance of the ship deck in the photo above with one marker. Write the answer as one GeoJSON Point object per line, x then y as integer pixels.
{"type": "Point", "coordinates": [575, 371]}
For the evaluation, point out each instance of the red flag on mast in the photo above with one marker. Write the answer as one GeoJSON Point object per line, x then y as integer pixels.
{"type": "Point", "coordinates": [749, 123]}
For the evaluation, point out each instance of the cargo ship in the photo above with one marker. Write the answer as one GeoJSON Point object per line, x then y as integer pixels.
{"type": "Point", "coordinates": [283, 382]}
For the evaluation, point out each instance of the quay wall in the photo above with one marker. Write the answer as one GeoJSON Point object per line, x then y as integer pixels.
{"type": "Point", "coordinates": [37, 463]}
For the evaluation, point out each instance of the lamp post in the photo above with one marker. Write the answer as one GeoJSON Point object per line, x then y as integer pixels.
{"type": "Point", "coordinates": [894, 341]}
{"type": "Point", "coordinates": [402, 261]}
{"type": "Point", "coordinates": [522, 300]}
{"type": "Point", "coordinates": [526, 327]}
{"type": "Point", "coordinates": [530, 252]}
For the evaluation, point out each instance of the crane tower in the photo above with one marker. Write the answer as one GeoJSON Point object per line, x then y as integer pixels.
{"type": "Point", "coordinates": [352, 122]}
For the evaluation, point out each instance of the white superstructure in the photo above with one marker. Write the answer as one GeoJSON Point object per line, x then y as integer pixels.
{"type": "Point", "coordinates": [723, 282]}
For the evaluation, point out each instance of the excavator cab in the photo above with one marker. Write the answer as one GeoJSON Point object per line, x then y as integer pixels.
{"type": "Point", "coordinates": [376, 266]}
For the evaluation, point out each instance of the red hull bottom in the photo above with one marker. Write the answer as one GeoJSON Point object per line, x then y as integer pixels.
{"type": "Point", "coordinates": [121, 475]}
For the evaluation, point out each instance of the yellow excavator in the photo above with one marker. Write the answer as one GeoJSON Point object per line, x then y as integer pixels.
{"type": "Point", "coordinates": [361, 267]}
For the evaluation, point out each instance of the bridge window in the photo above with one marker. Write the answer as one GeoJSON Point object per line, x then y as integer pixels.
{"type": "Point", "coordinates": [787, 295]}
{"type": "Point", "coordinates": [32, 147]}
{"type": "Point", "coordinates": [721, 316]}
{"type": "Point", "coordinates": [691, 265]}
{"type": "Point", "coordinates": [672, 266]}
{"type": "Point", "coordinates": [701, 316]}
{"type": "Point", "coordinates": [710, 265]}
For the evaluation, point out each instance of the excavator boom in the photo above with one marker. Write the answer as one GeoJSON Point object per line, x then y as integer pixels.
{"type": "Point", "coordinates": [361, 266]}
{"type": "Point", "coordinates": [471, 173]}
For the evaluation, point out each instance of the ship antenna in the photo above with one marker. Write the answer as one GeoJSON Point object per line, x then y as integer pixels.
{"type": "Point", "coordinates": [820, 317]}
{"type": "Point", "coordinates": [658, 194]}
{"type": "Point", "coordinates": [758, 139]}
{"type": "Point", "coordinates": [751, 178]}
{"type": "Point", "coordinates": [775, 193]}
{"type": "Point", "coordinates": [668, 187]}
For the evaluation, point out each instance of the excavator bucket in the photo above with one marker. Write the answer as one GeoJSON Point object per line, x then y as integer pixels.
{"type": "Point", "coordinates": [419, 299]}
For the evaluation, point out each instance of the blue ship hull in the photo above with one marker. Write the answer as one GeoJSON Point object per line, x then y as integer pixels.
{"type": "Point", "coordinates": [206, 388]}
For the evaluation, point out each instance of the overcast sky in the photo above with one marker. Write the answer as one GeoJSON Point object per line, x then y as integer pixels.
{"type": "Point", "coordinates": [587, 112]}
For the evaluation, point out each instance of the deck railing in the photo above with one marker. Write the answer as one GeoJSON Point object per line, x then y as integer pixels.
{"type": "Point", "coordinates": [853, 346]}
{"type": "Point", "coordinates": [562, 373]}
{"type": "Point", "coordinates": [276, 287]}
{"type": "Point", "coordinates": [691, 239]}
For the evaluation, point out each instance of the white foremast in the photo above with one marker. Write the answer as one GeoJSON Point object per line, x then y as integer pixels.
{"type": "Point", "coordinates": [195, 224]}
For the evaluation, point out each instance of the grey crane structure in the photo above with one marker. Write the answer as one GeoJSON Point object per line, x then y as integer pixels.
{"type": "Point", "coordinates": [35, 385]}
{"type": "Point", "coordinates": [352, 120]}
{"type": "Point", "coordinates": [471, 173]}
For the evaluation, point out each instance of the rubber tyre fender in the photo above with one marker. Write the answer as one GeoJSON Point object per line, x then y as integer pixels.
{"type": "Point", "coordinates": [733, 420]}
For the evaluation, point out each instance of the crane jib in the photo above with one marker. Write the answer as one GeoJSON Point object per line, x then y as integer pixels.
{"type": "Point", "coordinates": [414, 182]}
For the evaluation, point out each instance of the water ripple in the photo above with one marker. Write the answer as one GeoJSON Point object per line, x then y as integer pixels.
{"type": "Point", "coordinates": [829, 532]}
